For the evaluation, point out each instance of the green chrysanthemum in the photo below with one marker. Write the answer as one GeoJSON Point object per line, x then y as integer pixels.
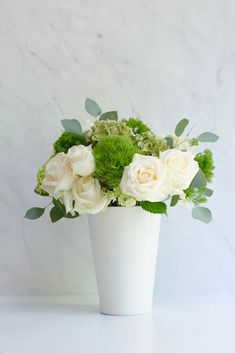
{"type": "Point", "coordinates": [137, 125]}
{"type": "Point", "coordinates": [67, 140]}
{"type": "Point", "coordinates": [112, 154]}
{"type": "Point", "coordinates": [206, 163]}
{"type": "Point", "coordinates": [150, 144]}
{"type": "Point", "coordinates": [104, 128]}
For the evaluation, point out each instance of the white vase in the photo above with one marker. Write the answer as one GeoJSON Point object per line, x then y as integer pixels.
{"type": "Point", "coordinates": [124, 245]}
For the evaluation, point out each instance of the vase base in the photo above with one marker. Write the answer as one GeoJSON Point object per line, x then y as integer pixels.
{"type": "Point", "coordinates": [125, 313]}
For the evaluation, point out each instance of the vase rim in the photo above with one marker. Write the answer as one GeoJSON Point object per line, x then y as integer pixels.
{"type": "Point", "coordinates": [123, 206]}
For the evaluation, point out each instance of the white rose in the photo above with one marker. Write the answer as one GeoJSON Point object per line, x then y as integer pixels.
{"type": "Point", "coordinates": [81, 160]}
{"type": "Point", "coordinates": [145, 179]}
{"type": "Point", "coordinates": [88, 196]}
{"type": "Point", "coordinates": [58, 176]}
{"type": "Point", "coordinates": [67, 199]}
{"type": "Point", "coordinates": [181, 168]}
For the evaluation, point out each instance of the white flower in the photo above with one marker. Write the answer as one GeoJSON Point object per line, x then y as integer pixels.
{"type": "Point", "coordinates": [58, 180]}
{"type": "Point", "coordinates": [81, 160]}
{"type": "Point", "coordinates": [61, 171]}
{"type": "Point", "coordinates": [88, 196]}
{"type": "Point", "coordinates": [181, 168]}
{"type": "Point", "coordinates": [67, 199]}
{"type": "Point", "coordinates": [145, 179]}
{"type": "Point", "coordinates": [58, 176]}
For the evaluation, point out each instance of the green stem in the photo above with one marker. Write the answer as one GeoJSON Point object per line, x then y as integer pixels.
{"type": "Point", "coordinates": [48, 204]}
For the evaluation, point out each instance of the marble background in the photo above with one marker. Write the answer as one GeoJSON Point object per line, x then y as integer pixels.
{"type": "Point", "coordinates": [158, 60]}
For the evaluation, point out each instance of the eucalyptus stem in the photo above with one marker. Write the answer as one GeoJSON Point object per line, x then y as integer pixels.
{"type": "Point", "coordinates": [48, 204]}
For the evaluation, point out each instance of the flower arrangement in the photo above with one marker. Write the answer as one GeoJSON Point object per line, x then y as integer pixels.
{"type": "Point", "coordinates": [123, 163]}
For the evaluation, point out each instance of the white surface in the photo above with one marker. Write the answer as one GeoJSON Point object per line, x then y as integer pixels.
{"type": "Point", "coordinates": [158, 59]}
{"type": "Point", "coordinates": [189, 324]}
{"type": "Point", "coordinates": [125, 245]}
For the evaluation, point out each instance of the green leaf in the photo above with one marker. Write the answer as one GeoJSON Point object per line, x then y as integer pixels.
{"type": "Point", "coordinates": [72, 125]}
{"type": "Point", "coordinates": [92, 107]}
{"type": "Point", "coordinates": [207, 137]}
{"type": "Point", "coordinates": [41, 193]}
{"type": "Point", "coordinates": [181, 126]}
{"type": "Point", "coordinates": [59, 205]}
{"type": "Point", "coordinates": [169, 141]}
{"type": "Point", "coordinates": [34, 212]}
{"type": "Point", "coordinates": [69, 215]}
{"type": "Point", "coordinates": [109, 116]}
{"type": "Point", "coordinates": [154, 207]}
{"type": "Point", "coordinates": [202, 214]}
{"type": "Point", "coordinates": [56, 214]}
{"type": "Point", "coordinates": [208, 192]}
{"type": "Point", "coordinates": [62, 209]}
{"type": "Point", "coordinates": [174, 200]}
{"type": "Point", "coordinates": [199, 181]}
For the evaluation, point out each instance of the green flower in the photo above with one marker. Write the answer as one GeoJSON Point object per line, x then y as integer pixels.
{"type": "Point", "coordinates": [137, 125]}
{"type": "Point", "coordinates": [116, 196]}
{"type": "Point", "coordinates": [195, 195]}
{"type": "Point", "coordinates": [67, 140]}
{"type": "Point", "coordinates": [206, 163]}
{"type": "Point", "coordinates": [194, 142]}
{"type": "Point", "coordinates": [150, 144]}
{"type": "Point", "coordinates": [126, 200]}
{"type": "Point", "coordinates": [40, 176]}
{"type": "Point", "coordinates": [112, 154]}
{"type": "Point", "coordinates": [104, 128]}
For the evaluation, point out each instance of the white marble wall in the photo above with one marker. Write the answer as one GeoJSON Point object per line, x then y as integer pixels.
{"type": "Point", "coordinates": [156, 59]}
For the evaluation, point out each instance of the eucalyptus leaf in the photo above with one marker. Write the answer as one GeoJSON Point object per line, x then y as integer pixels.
{"type": "Point", "coordinates": [154, 207]}
{"type": "Point", "coordinates": [199, 181]}
{"type": "Point", "coordinates": [203, 214]}
{"type": "Point", "coordinates": [109, 116]}
{"type": "Point", "coordinates": [169, 141]}
{"type": "Point", "coordinates": [56, 214]}
{"type": "Point", "coordinates": [208, 192]}
{"type": "Point", "coordinates": [180, 127]}
{"type": "Point", "coordinates": [92, 107]}
{"type": "Point", "coordinates": [34, 213]}
{"type": "Point", "coordinates": [207, 137]}
{"type": "Point", "coordinates": [72, 125]}
{"type": "Point", "coordinates": [174, 200]}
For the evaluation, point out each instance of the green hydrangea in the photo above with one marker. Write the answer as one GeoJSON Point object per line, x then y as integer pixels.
{"type": "Point", "coordinates": [195, 195]}
{"type": "Point", "coordinates": [126, 200]}
{"type": "Point", "coordinates": [194, 142]}
{"type": "Point", "coordinates": [112, 154]}
{"type": "Point", "coordinates": [40, 176]}
{"type": "Point", "coordinates": [116, 197]}
{"type": "Point", "coordinates": [137, 125]}
{"type": "Point", "coordinates": [104, 128]}
{"type": "Point", "coordinates": [67, 140]}
{"type": "Point", "coordinates": [206, 163]}
{"type": "Point", "coordinates": [150, 144]}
